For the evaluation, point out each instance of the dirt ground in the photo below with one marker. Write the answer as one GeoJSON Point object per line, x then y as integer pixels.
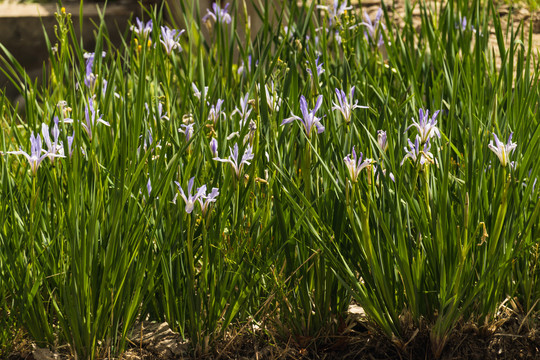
{"type": "Point", "coordinates": [518, 14]}
{"type": "Point", "coordinates": [509, 337]}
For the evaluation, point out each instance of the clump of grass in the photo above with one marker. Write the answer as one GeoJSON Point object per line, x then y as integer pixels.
{"type": "Point", "coordinates": [205, 179]}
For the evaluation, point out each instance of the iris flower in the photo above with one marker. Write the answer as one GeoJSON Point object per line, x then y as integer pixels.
{"type": "Point", "coordinates": [191, 199]}
{"type": "Point", "coordinates": [233, 159]}
{"type": "Point", "coordinates": [215, 111]}
{"type": "Point", "coordinates": [355, 165]}
{"type": "Point", "coordinates": [214, 147]}
{"type": "Point", "coordinates": [244, 110]}
{"type": "Point", "coordinates": [149, 187]}
{"type": "Point", "coordinates": [319, 68]}
{"type": "Point", "coordinates": [92, 117]}
{"type": "Point", "coordinates": [159, 114]}
{"type": "Point", "coordinates": [242, 68]}
{"type": "Point", "coordinates": [463, 23]}
{"type": "Point", "coordinates": [289, 32]}
{"type": "Point", "coordinates": [381, 140]}
{"type": "Point", "coordinates": [416, 154]}
{"type": "Point", "coordinates": [501, 150]}
{"type": "Point", "coordinates": [169, 39]}
{"type": "Point", "coordinates": [148, 140]}
{"type": "Point", "coordinates": [70, 144]}
{"type": "Point", "coordinates": [218, 15]}
{"type": "Point", "coordinates": [35, 157]}
{"type": "Point", "coordinates": [426, 126]}
{"type": "Point", "coordinates": [208, 199]}
{"type": "Point", "coordinates": [309, 119]}
{"type": "Point", "coordinates": [141, 28]}
{"type": "Point", "coordinates": [335, 12]}
{"type": "Point", "coordinates": [272, 98]}
{"type": "Point", "coordinates": [346, 106]}
{"type": "Point", "coordinates": [90, 77]}
{"type": "Point", "coordinates": [251, 133]}
{"type": "Point", "coordinates": [187, 130]}
{"type": "Point", "coordinates": [384, 172]}
{"type": "Point", "coordinates": [198, 93]}
{"type": "Point", "coordinates": [53, 147]}
{"type": "Point", "coordinates": [373, 28]}
{"type": "Point", "coordinates": [337, 37]}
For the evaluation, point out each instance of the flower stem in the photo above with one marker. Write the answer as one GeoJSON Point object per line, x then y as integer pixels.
{"type": "Point", "coordinates": [426, 189]}
{"type": "Point", "coordinates": [501, 214]}
{"type": "Point", "coordinates": [306, 173]}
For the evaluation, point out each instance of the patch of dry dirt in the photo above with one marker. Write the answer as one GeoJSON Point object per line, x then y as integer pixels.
{"type": "Point", "coordinates": [510, 336]}
{"type": "Point", "coordinates": [518, 14]}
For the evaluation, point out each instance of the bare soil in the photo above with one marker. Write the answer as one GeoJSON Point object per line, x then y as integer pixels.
{"type": "Point", "coordinates": [511, 336]}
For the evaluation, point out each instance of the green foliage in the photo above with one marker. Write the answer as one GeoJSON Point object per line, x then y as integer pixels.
{"type": "Point", "coordinates": [102, 237]}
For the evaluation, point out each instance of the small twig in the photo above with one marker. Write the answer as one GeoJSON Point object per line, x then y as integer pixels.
{"type": "Point", "coordinates": [511, 335]}
{"type": "Point", "coordinates": [526, 316]}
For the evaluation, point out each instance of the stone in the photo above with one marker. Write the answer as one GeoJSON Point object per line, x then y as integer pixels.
{"type": "Point", "coordinates": [43, 354]}
{"type": "Point", "coordinates": [159, 339]}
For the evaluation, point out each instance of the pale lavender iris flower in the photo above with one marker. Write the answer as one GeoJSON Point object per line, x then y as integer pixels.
{"type": "Point", "coordinates": [318, 67]}
{"type": "Point", "coordinates": [170, 39]}
{"type": "Point", "coordinates": [346, 106]}
{"type": "Point", "coordinates": [463, 23]}
{"type": "Point", "coordinates": [382, 140]}
{"type": "Point", "coordinates": [54, 147]}
{"type": "Point", "coordinates": [70, 144]}
{"type": "Point", "coordinates": [214, 147]}
{"type": "Point", "coordinates": [148, 140]}
{"type": "Point", "coordinates": [244, 111]}
{"type": "Point", "coordinates": [191, 199]}
{"type": "Point", "coordinates": [384, 173]}
{"type": "Point", "coordinates": [149, 187]}
{"type": "Point", "coordinates": [206, 200]}
{"type": "Point", "coordinates": [355, 164]}
{"type": "Point", "coordinates": [35, 157]}
{"type": "Point", "coordinates": [415, 153]}
{"type": "Point", "coordinates": [158, 114]}
{"type": "Point", "coordinates": [187, 130]}
{"type": "Point", "coordinates": [309, 118]}
{"type": "Point", "coordinates": [215, 112]}
{"type": "Point", "coordinates": [502, 150]}
{"type": "Point", "coordinates": [142, 29]}
{"type": "Point", "coordinates": [218, 14]}
{"type": "Point", "coordinates": [90, 77]}
{"type": "Point", "coordinates": [198, 93]}
{"type": "Point", "coordinates": [335, 12]}
{"type": "Point", "coordinates": [242, 68]}
{"type": "Point", "coordinates": [92, 118]}
{"type": "Point", "coordinates": [426, 126]}
{"type": "Point", "coordinates": [373, 28]}
{"type": "Point", "coordinates": [233, 159]}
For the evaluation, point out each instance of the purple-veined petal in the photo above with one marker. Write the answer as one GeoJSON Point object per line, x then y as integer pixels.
{"type": "Point", "coordinates": [303, 107]}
